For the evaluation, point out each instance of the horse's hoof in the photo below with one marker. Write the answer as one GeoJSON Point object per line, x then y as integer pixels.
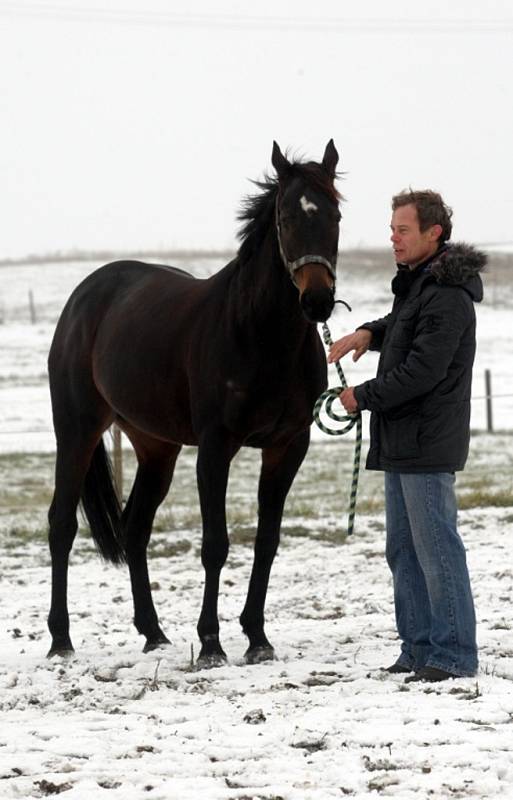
{"type": "Point", "coordinates": [154, 644]}
{"type": "Point", "coordinates": [65, 651]}
{"type": "Point", "coordinates": [256, 655]}
{"type": "Point", "coordinates": [211, 661]}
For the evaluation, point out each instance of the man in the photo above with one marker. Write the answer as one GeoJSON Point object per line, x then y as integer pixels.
{"type": "Point", "coordinates": [419, 432]}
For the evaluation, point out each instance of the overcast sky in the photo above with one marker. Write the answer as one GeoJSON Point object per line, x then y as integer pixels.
{"type": "Point", "coordinates": [132, 125]}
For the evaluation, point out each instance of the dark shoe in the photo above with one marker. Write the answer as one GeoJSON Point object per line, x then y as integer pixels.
{"type": "Point", "coordinates": [396, 669]}
{"type": "Point", "coordinates": [430, 675]}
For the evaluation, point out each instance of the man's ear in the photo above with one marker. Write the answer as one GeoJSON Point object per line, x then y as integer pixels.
{"type": "Point", "coordinates": [435, 232]}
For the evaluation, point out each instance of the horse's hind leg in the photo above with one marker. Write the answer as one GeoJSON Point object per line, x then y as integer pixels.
{"type": "Point", "coordinates": [72, 463]}
{"type": "Point", "coordinates": [279, 467]}
{"type": "Point", "coordinates": [151, 485]}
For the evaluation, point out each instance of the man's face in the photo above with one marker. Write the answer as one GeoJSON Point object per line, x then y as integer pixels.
{"type": "Point", "coordinates": [411, 245]}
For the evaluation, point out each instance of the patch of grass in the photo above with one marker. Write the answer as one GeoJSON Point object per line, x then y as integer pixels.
{"type": "Point", "coordinates": [242, 534]}
{"type": "Point", "coordinates": [19, 535]}
{"type": "Point", "coordinates": [12, 501]}
{"type": "Point", "coordinates": [177, 520]}
{"type": "Point", "coordinates": [242, 516]}
{"type": "Point", "coordinates": [481, 498]}
{"type": "Point", "coordinates": [475, 483]}
{"type": "Point", "coordinates": [334, 533]}
{"type": "Point", "coordinates": [160, 548]}
{"type": "Point", "coordinates": [316, 506]}
{"type": "Point", "coordinates": [305, 509]}
{"type": "Point", "coordinates": [370, 505]}
{"type": "Point", "coordinates": [297, 531]}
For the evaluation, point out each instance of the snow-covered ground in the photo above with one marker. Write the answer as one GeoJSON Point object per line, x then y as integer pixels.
{"type": "Point", "coordinates": [320, 722]}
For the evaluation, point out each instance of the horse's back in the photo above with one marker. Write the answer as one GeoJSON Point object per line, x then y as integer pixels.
{"type": "Point", "coordinates": [107, 285]}
{"type": "Point", "coordinates": [117, 277]}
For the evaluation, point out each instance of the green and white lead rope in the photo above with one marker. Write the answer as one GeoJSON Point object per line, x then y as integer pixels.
{"type": "Point", "coordinates": [329, 397]}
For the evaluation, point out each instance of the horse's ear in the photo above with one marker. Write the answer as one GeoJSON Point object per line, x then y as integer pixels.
{"type": "Point", "coordinates": [330, 158]}
{"type": "Point", "coordinates": [279, 162]}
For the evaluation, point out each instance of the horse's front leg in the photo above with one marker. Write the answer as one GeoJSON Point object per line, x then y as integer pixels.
{"type": "Point", "coordinates": [216, 450]}
{"type": "Point", "coordinates": [279, 467]}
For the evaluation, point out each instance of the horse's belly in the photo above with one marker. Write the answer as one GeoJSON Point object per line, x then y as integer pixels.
{"type": "Point", "coordinates": [263, 421]}
{"type": "Point", "coordinates": [153, 401]}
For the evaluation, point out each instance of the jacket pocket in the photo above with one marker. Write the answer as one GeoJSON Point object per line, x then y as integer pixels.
{"type": "Point", "coordinates": [404, 329]}
{"type": "Point", "coordinates": [400, 437]}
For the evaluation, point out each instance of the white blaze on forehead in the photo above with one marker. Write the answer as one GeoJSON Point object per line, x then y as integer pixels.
{"type": "Point", "coordinates": [307, 205]}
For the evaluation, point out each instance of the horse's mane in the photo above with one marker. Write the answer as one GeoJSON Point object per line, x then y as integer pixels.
{"type": "Point", "coordinates": [257, 211]}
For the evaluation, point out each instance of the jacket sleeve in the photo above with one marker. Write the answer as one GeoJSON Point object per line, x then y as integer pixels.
{"type": "Point", "coordinates": [378, 328]}
{"type": "Point", "coordinates": [438, 331]}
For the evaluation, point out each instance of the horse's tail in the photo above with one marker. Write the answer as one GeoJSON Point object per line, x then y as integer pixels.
{"type": "Point", "coordinates": [102, 507]}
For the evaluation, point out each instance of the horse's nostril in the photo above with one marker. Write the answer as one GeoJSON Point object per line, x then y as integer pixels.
{"type": "Point", "coordinates": [317, 305]}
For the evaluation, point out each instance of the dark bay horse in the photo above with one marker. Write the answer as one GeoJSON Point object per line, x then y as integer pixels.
{"type": "Point", "coordinates": [229, 361]}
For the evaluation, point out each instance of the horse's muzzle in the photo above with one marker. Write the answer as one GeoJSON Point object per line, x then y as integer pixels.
{"type": "Point", "coordinates": [317, 304]}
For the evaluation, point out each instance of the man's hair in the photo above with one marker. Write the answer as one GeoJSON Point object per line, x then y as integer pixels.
{"type": "Point", "coordinates": [431, 210]}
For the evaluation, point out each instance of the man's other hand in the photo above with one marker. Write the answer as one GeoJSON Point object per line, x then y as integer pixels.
{"type": "Point", "coordinates": [348, 400]}
{"type": "Point", "coordinates": [359, 341]}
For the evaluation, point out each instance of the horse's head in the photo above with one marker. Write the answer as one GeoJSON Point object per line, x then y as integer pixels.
{"type": "Point", "coordinates": [307, 226]}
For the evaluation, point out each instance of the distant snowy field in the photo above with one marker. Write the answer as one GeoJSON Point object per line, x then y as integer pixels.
{"type": "Point", "coordinates": [25, 414]}
{"type": "Point", "coordinates": [321, 722]}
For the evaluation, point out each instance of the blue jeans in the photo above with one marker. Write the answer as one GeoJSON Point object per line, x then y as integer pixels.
{"type": "Point", "coordinates": [433, 600]}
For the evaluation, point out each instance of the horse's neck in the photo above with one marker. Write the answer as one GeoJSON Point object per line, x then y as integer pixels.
{"type": "Point", "coordinates": [265, 300]}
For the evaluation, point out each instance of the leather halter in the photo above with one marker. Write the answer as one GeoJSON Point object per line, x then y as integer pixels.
{"type": "Point", "coordinates": [293, 266]}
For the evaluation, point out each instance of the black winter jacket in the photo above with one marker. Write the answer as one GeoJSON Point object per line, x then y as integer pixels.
{"type": "Point", "coordinates": [420, 398]}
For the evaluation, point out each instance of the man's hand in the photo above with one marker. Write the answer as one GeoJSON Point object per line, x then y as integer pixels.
{"type": "Point", "coordinates": [359, 341]}
{"type": "Point", "coordinates": [348, 400]}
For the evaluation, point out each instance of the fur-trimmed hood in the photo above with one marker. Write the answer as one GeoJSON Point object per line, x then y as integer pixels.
{"type": "Point", "coordinates": [459, 265]}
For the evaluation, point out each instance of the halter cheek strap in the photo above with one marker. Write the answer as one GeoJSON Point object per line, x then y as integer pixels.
{"type": "Point", "coordinates": [293, 266]}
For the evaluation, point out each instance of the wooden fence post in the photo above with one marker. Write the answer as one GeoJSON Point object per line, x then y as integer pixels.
{"type": "Point", "coordinates": [118, 462]}
{"type": "Point", "coordinates": [488, 395]}
{"type": "Point", "coordinates": [32, 307]}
